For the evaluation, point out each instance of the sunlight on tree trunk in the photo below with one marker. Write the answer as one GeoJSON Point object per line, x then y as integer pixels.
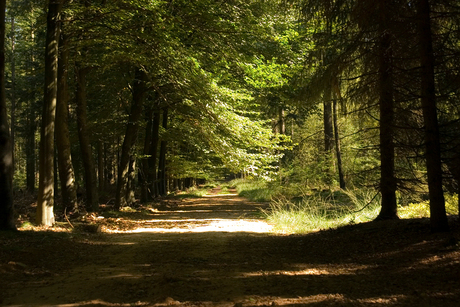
{"type": "Point", "coordinates": [66, 170]}
{"type": "Point", "coordinates": [45, 202]}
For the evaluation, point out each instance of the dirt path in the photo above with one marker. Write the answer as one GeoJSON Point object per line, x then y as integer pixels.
{"type": "Point", "coordinates": [214, 251]}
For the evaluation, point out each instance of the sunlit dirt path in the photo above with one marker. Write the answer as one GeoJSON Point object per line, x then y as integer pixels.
{"type": "Point", "coordinates": [224, 213]}
{"type": "Point", "coordinates": [216, 251]}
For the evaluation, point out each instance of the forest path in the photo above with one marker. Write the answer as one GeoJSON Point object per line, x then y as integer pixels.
{"type": "Point", "coordinates": [214, 251]}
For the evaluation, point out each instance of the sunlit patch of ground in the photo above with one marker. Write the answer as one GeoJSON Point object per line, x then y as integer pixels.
{"type": "Point", "coordinates": [199, 225]}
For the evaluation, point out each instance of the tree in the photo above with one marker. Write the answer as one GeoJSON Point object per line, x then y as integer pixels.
{"type": "Point", "coordinates": [139, 92]}
{"type": "Point", "coordinates": [438, 216]}
{"type": "Point", "coordinates": [66, 171]}
{"type": "Point", "coordinates": [386, 104]}
{"type": "Point", "coordinates": [45, 202]}
{"type": "Point", "coordinates": [6, 153]}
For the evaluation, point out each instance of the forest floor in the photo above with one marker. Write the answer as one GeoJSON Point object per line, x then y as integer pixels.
{"type": "Point", "coordinates": [217, 251]}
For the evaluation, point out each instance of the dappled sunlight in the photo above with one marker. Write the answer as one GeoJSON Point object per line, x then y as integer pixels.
{"type": "Point", "coordinates": [199, 225]}
{"type": "Point", "coordinates": [313, 271]}
{"type": "Point", "coordinates": [220, 195]}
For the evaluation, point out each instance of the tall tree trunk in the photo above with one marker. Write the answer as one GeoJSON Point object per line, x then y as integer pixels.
{"type": "Point", "coordinates": [327, 118]}
{"type": "Point", "coordinates": [66, 170]}
{"type": "Point", "coordinates": [144, 169]}
{"type": "Point", "coordinates": [100, 166]}
{"type": "Point", "coordinates": [386, 103]}
{"type": "Point", "coordinates": [152, 173]}
{"type": "Point", "coordinates": [139, 92]}
{"type": "Point", "coordinates": [30, 149]}
{"type": "Point", "coordinates": [130, 196]}
{"type": "Point", "coordinates": [83, 135]}
{"type": "Point", "coordinates": [45, 202]}
{"type": "Point", "coordinates": [13, 90]}
{"type": "Point", "coordinates": [31, 130]}
{"type": "Point", "coordinates": [438, 215]}
{"type": "Point", "coordinates": [338, 151]}
{"type": "Point", "coordinates": [6, 151]}
{"type": "Point", "coordinates": [162, 182]}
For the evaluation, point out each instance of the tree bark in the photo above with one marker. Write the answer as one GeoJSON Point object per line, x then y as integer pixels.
{"type": "Point", "coordinates": [338, 152]}
{"type": "Point", "coordinates": [100, 166]}
{"type": "Point", "coordinates": [139, 92]}
{"type": "Point", "coordinates": [6, 151]}
{"type": "Point", "coordinates": [30, 149]}
{"type": "Point", "coordinates": [83, 135]}
{"type": "Point", "coordinates": [144, 170]}
{"type": "Point", "coordinates": [327, 117]}
{"type": "Point", "coordinates": [13, 91]}
{"type": "Point", "coordinates": [45, 202]}
{"type": "Point", "coordinates": [386, 103]}
{"type": "Point", "coordinates": [162, 182]}
{"type": "Point", "coordinates": [438, 217]}
{"type": "Point", "coordinates": [66, 170]}
{"type": "Point", "coordinates": [152, 173]}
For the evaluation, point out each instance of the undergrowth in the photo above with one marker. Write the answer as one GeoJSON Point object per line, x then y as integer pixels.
{"type": "Point", "coordinates": [315, 210]}
{"type": "Point", "coordinates": [320, 211]}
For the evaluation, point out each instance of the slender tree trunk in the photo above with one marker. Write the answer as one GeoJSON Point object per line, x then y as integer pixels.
{"type": "Point", "coordinates": [66, 170]}
{"type": "Point", "coordinates": [328, 127]}
{"type": "Point", "coordinates": [144, 169]}
{"type": "Point", "coordinates": [129, 196]}
{"type": "Point", "coordinates": [338, 151]}
{"type": "Point", "coordinates": [31, 130]}
{"type": "Point", "coordinates": [139, 92]}
{"type": "Point", "coordinates": [438, 215]}
{"type": "Point", "coordinates": [6, 151]}
{"type": "Point", "coordinates": [162, 183]}
{"type": "Point", "coordinates": [386, 103]}
{"type": "Point", "coordinates": [83, 135]}
{"type": "Point", "coordinates": [281, 121]}
{"type": "Point", "coordinates": [30, 149]}
{"type": "Point", "coordinates": [152, 173]}
{"type": "Point", "coordinates": [13, 91]}
{"type": "Point", "coordinates": [100, 166]}
{"type": "Point", "coordinates": [45, 202]}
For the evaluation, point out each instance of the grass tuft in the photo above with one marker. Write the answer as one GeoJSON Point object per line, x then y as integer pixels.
{"type": "Point", "coordinates": [319, 211]}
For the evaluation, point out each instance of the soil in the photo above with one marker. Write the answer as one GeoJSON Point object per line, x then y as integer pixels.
{"type": "Point", "coordinates": [218, 251]}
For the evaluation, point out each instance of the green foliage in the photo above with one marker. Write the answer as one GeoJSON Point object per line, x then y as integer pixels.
{"type": "Point", "coordinates": [319, 211]}
{"type": "Point", "coordinates": [422, 209]}
{"type": "Point", "coordinates": [255, 190]}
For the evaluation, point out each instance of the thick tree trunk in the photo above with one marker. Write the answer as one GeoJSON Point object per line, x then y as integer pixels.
{"type": "Point", "coordinates": [66, 171]}
{"type": "Point", "coordinates": [139, 92]}
{"type": "Point", "coordinates": [45, 202]}
{"type": "Point", "coordinates": [85, 145]}
{"type": "Point", "coordinates": [6, 151]}
{"type": "Point", "coordinates": [386, 103]}
{"type": "Point", "coordinates": [162, 181]}
{"type": "Point", "coordinates": [438, 215]}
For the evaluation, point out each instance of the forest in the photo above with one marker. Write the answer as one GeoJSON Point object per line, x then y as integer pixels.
{"type": "Point", "coordinates": [135, 133]}
{"type": "Point", "coordinates": [128, 101]}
